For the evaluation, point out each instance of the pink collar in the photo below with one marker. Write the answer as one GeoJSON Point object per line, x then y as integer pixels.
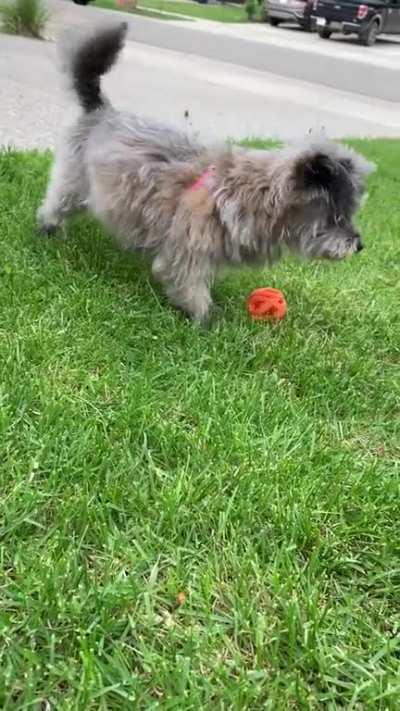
{"type": "Point", "coordinates": [206, 180]}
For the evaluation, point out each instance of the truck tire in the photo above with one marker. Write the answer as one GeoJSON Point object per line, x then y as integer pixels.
{"type": "Point", "coordinates": [368, 36]}
{"type": "Point", "coordinates": [324, 33]}
{"type": "Point", "coordinates": [273, 21]}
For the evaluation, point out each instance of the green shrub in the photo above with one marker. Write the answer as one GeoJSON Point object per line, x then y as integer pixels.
{"type": "Point", "coordinates": [24, 17]}
{"type": "Point", "coordinates": [264, 7]}
{"type": "Point", "coordinates": [251, 8]}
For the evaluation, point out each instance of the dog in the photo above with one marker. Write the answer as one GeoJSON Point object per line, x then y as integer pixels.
{"type": "Point", "coordinates": [195, 208]}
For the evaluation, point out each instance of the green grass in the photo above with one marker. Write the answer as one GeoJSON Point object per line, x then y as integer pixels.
{"type": "Point", "coordinates": [253, 467]}
{"type": "Point", "coordinates": [218, 13]}
{"type": "Point", "coordinates": [111, 5]}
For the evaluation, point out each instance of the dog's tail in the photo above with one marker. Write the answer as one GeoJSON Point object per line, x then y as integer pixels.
{"type": "Point", "coordinates": [87, 58]}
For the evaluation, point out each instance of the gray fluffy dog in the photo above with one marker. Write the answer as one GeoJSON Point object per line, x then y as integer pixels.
{"type": "Point", "coordinates": [195, 209]}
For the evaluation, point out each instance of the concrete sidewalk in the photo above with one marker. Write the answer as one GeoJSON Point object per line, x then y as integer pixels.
{"type": "Point", "coordinates": [223, 99]}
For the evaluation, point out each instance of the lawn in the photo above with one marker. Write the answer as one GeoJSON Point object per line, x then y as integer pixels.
{"type": "Point", "coordinates": [142, 11]}
{"type": "Point", "coordinates": [197, 519]}
{"type": "Point", "coordinates": [218, 13]}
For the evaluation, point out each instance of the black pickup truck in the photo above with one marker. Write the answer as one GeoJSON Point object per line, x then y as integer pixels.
{"type": "Point", "coordinates": [367, 20]}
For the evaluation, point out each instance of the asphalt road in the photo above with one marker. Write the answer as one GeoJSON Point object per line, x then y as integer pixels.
{"type": "Point", "coordinates": [333, 70]}
{"type": "Point", "coordinates": [339, 63]}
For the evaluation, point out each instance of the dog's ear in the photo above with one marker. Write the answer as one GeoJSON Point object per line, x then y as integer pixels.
{"type": "Point", "coordinates": [348, 165]}
{"type": "Point", "coordinates": [357, 166]}
{"type": "Point", "coordinates": [315, 171]}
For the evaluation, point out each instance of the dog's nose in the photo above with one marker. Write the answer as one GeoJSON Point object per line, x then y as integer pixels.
{"type": "Point", "coordinates": [360, 246]}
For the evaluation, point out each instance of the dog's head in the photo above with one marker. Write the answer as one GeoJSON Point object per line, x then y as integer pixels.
{"type": "Point", "coordinates": [322, 187]}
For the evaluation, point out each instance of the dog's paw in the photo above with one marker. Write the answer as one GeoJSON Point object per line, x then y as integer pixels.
{"type": "Point", "coordinates": [46, 230]}
{"type": "Point", "coordinates": [216, 316]}
{"type": "Point", "coordinates": [211, 320]}
{"type": "Point", "coordinates": [46, 225]}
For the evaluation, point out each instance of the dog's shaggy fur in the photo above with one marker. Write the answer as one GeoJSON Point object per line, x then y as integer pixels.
{"type": "Point", "coordinates": [141, 180]}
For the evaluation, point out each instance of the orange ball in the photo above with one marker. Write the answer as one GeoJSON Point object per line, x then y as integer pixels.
{"type": "Point", "coordinates": [266, 304]}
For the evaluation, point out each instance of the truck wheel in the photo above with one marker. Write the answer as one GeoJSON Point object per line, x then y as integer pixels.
{"type": "Point", "coordinates": [273, 21]}
{"type": "Point", "coordinates": [324, 33]}
{"type": "Point", "coordinates": [368, 37]}
{"type": "Point", "coordinates": [306, 25]}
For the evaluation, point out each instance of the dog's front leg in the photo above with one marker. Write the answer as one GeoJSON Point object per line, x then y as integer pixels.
{"type": "Point", "coordinates": [186, 281]}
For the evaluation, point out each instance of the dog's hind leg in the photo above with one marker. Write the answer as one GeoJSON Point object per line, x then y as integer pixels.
{"type": "Point", "coordinates": [66, 193]}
